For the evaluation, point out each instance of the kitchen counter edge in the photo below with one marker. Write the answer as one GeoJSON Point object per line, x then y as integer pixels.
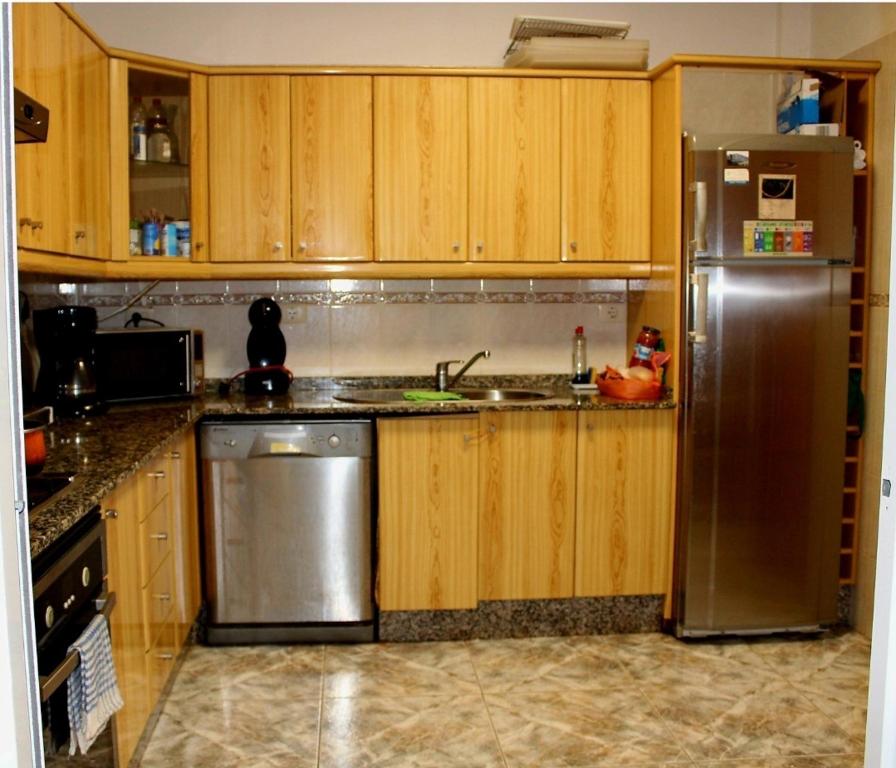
{"type": "Point", "coordinates": [106, 450]}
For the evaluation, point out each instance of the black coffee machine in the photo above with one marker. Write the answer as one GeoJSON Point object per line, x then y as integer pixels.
{"type": "Point", "coordinates": [67, 376]}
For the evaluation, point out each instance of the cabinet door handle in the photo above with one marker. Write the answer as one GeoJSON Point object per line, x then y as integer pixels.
{"type": "Point", "coordinates": [111, 514]}
{"type": "Point", "coordinates": [174, 455]}
{"type": "Point", "coordinates": [573, 246]}
{"type": "Point", "coordinates": [455, 246]}
{"type": "Point", "coordinates": [37, 225]}
{"type": "Point", "coordinates": [80, 234]}
{"type": "Point", "coordinates": [160, 475]}
{"type": "Point", "coordinates": [163, 597]}
{"type": "Point", "coordinates": [25, 222]}
{"type": "Point", "coordinates": [165, 656]}
{"type": "Point", "coordinates": [303, 246]}
{"type": "Point", "coordinates": [278, 246]}
{"type": "Point", "coordinates": [480, 246]}
{"type": "Point", "coordinates": [198, 246]}
{"type": "Point", "coordinates": [159, 536]}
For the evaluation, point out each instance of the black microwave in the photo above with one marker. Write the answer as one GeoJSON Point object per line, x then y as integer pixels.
{"type": "Point", "coordinates": [148, 363]}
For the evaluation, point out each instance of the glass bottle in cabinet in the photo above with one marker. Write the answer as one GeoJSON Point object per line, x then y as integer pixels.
{"type": "Point", "coordinates": [159, 210]}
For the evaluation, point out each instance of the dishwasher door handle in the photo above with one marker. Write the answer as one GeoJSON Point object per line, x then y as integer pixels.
{"type": "Point", "coordinates": [285, 455]}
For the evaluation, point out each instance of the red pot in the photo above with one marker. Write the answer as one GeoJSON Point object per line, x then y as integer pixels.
{"type": "Point", "coordinates": [35, 446]}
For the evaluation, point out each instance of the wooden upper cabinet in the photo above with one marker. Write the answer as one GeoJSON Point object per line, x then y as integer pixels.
{"type": "Point", "coordinates": [624, 504]}
{"type": "Point", "coordinates": [606, 170]}
{"type": "Point", "coordinates": [41, 41]}
{"type": "Point", "coordinates": [420, 175]}
{"type": "Point", "coordinates": [527, 476]}
{"type": "Point", "coordinates": [514, 169]}
{"type": "Point", "coordinates": [249, 167]}
{"type": "Point", "coordinates": [89, 149]}
{"type": "Point", "coordinates": [428, 502]}
{"type": "Point", "coordinates": [332, 167]}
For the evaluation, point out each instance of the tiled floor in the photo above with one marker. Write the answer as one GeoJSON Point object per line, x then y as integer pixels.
{"type": "Point", "coordinates": [624, 700]}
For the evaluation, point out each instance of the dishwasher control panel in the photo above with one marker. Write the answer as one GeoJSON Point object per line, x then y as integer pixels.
{"type": "Point", "coordinates": [317, 439]}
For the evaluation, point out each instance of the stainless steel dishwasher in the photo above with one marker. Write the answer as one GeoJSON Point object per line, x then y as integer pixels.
{"type": "Point", "coordinates": [287, 531]}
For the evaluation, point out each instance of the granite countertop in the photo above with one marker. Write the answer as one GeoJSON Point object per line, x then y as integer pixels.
{"type": "Point", "coordinates": [104, 450]}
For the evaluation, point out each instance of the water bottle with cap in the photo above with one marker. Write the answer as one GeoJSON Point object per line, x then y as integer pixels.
{"type": "Point", "coordinates": [579, 357]}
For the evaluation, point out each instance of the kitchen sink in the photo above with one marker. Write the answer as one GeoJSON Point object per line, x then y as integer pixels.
{"type": "Point", "coordinates": [374, 396]}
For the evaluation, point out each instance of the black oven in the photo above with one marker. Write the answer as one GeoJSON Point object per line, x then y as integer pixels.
{"type": "Point", "coordinates": [69, 590]}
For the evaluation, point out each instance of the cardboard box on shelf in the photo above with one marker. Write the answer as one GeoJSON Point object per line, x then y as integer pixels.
{"type": "Point", "coordinates": [800, 105]}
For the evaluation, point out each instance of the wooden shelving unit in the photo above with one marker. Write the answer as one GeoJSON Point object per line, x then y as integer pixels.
{"type": "Point", "coordinates": [848, 99]}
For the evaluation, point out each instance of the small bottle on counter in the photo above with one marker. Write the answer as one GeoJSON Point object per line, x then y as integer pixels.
{"type": "Point", "coordinates": [645, 346]}
{"type": "Point", "coordinates": [579, 357]}
{"type": "Point", "coordinates": [138, 129]}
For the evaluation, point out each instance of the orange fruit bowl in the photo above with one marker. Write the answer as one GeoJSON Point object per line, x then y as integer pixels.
{"type": "Point", "coordinates": [630, 389]}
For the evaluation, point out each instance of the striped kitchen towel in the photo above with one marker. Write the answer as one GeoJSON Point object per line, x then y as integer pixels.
{"type": "Point", "coordinates": [93, 695]}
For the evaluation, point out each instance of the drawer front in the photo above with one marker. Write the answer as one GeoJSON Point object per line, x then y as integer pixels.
{"type": "Point", "coordinates": [158, 601]}
{"type": "Point", "coordinates": [155, 540]}
{"type": "Point", "coordinates": [154, 483]}
{"type": "Point", "coordinates": [160, 660]}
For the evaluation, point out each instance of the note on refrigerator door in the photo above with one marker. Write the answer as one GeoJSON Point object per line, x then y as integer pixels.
{"type": "Point", "coordinates": [777, 196]}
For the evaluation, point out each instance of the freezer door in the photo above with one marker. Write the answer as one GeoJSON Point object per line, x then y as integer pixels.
{"type": "Point", "coordinates": [762, 450]}
{"type": "Point", "coordinates": [807, 180]}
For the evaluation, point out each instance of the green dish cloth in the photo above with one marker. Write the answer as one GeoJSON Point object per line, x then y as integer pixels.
{"type": "Point", "coordinates": [425, 395]}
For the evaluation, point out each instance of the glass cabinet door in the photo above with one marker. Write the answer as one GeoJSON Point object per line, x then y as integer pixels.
{"type": "Point", "coordinates": [158, 146]}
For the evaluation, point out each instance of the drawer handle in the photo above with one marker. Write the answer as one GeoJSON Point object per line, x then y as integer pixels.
{"type": "Point", "coordinates": [159, 536]}
{"type": "Point", "coordinates": [163, 597]}
{"type": "Point", "coordinates": [174, 455]}
{"type": "Point", "coordinates": [157, 475]}
{"type": "Point", "coordinates": [165, 656]}
{"type": "Point", "coordinates": [37, 225]}
{"type": "Point", "coordinates": [111, 514]}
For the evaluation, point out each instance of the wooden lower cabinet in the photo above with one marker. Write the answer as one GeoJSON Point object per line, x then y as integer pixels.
{"type": "Point", "coordinates": [153, 568]}
{"type": "Point", "coordinates": [624, 502]}
{"type": "Point", "coordinates": [428, 495]}
{"type": "Point", "coordinates": [527, 486]}
{"type": "Point", "coordinates": [126, 624]}
{"type": "Point", "coordinates": [185, 506]}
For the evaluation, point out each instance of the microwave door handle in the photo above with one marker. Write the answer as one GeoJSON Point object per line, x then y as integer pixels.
{"type": "Point", "coordinates": [698, 188]}
{"type": "Point", "coordinates": [49, 684]}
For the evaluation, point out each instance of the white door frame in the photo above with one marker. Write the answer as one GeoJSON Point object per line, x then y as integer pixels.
{"type": "Point", "coordinates": [880, 736]}
{"type": "Point", "coordinates": [19, 709]}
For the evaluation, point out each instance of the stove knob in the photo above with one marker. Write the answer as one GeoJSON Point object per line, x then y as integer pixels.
{"type": "Point", "coordinates": [334, 441]}
{"type": "Point", "coordinates": [49, 616]}
{"type": "Point", "coordinates": [85, 576]}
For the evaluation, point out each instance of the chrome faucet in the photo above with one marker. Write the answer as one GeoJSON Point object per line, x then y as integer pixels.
{"type": "Point", "coordinates": [443, 384]}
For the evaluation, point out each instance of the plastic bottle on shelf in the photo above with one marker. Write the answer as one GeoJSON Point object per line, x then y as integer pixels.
{"type": "Point", "coordinates": [579, 357]}
{"type": "Point", "coordinates": [158, 139]}
{"type": "Point", "coordinates": [645, 346]}
{"type": "Point", "coordinates": [138, 129]}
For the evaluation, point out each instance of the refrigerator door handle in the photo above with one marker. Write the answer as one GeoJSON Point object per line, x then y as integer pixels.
{"type": "Point", "coordinates": [698, 244]}
{"type": "Point", "coordinates": [699, 305]}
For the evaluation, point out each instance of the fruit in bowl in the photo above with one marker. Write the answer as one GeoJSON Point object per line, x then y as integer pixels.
{"type": "Point", "coordinates": [635, 383]}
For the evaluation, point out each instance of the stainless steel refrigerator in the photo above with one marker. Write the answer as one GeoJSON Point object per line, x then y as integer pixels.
{"type": "Point", "coordinates": [769, 244]}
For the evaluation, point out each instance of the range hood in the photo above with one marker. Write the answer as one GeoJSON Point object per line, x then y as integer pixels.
{"type": "Point", "coordinates": [31, 119]}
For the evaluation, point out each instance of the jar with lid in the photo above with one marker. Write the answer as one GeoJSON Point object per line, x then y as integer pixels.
{"type": "Point", "coordinates": [158, 139]}
{"type": "Point", "coordinates": [645, 346]}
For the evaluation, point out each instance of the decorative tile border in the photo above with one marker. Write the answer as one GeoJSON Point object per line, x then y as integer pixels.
{"type": "Point", "coordinates": [879, 300]}
{"type": "Point", "coordinates": [495, 619]}
{"type": "Point", "coordinates": [333, 294]}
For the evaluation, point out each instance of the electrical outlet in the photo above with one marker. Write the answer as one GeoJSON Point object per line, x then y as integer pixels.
{"type": "Point", "coordinates": [295, 314]}
{"type": "Point", "coordinates": [608, 312]}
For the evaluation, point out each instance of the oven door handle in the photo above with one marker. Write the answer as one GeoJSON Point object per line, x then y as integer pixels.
{"type": "Point", "coordinates": [49, 684]}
